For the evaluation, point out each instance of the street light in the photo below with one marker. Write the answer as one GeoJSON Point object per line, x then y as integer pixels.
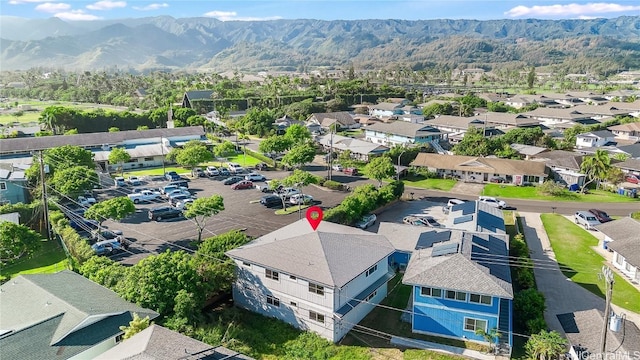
{"type": "Point", "coordinates": [398, 169]}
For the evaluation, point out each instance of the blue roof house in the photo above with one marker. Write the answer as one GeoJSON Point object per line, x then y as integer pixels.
{"type": "Point", "coordinates": [459, 287]}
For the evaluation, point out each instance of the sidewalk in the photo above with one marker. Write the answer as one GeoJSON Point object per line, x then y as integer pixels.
{"type": "Point", "coordinates": [421, 344]}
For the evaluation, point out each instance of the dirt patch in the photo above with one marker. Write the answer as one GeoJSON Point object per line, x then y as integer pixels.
{"type": "Point", "coordinates": [466, 188]}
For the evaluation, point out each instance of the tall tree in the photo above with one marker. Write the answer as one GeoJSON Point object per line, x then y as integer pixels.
{"type": "Point", "coordinates": [298, 179]}
{"type": "Point", "coordinates": [135, 326]}
{"type": "Point", "coordinates": [595, 167]}
{"type": "Point", "coordinates": [531, 77]}
{"type": "Point", "coordinates": [297, 133]}
{"type": "Point", "coordinates": [115, 209]}
{"type": "Point", "coordinates": [119, 156]}
{"type": "Point", "coordinates": [225, 149]}
{"type": "Point", "coordinates": [545, 345]}
{"type": "Point", "coordinates": [193, 153]}
{"type": "Point", "coordinates": [17, 241]}
{"type": "Point", "coordinates": [202, 209]}
{"type": "Point", "coordinates": [300, 155]}
{"type": "Point", "coordinates": [74, 181]}
{"type": "Point", "coordinates": [380, 168]}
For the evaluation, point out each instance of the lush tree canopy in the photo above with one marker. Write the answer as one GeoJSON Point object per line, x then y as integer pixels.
{"type": "Point", "coordinates": [202, 209]}
{"type": "Point", "coordinates": [380, 168]}
{"type": "Point", "coordinates": [300, 155]}
{"type": "Point", "coordinates": [74, 181]}
{"type": "Point", "coordinates": [193, 153]}
{"type": "Point", "coordinates": [119, 156]}
{"type": "Point", "coordinates": [115, 209]}
{"type": "Point", "coordinates": [17, 241]}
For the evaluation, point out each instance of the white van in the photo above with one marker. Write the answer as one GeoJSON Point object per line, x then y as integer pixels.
{"type": "Point", "coordinates": [451, 203]}
{"type": "Point", "coordinates": [235, 168]}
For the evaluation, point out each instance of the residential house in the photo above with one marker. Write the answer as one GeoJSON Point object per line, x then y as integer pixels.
{"type": "Point", "coordinates": [360, 149]}
{"type": "Point", "coordinates": [403, 133]}
{"type": "Point", "coordinates": [475, 216]}
{"type": "Point", "coordinates": [482, 169]}
{"type": "Point", "coordinates": [564, 166]}
{"type": "Point", "coordinates": [61, 316]}
{"type": "Point", "coordinates": [20, 131]}
{"type": "Point", "coordinates": [282, 124]}
{"type": "Point", "coordinates": [594, 139]}
{"type": "Point", "coordinates": [459, 288]}
{"type": "Point", "coordinates": [629, 166]}
{"type": "Point", "coordinates": [324, 281]}
{"type": "Point", "coordinates": [632, 151]}
{"type": "Point", "coordinates": [457, 126]}
{"type": "Point", "coordinates": [199, 100]}
{"type": "Point", "coordinates": [386, 109]}
{"type": "Point", "coordinates": [589, 98]}
{"type": "Point", "coordinates": [502, 120]}
{"type": "Point", "coordinates": [159, 343]}
{"type": "Point", "coordinates": [146, 147]}
{"type": "Point", "coordinates": [601, 112]}
{"type": "Point", "coordinates": [621, 237]}
{"type": "Point", "coordinates": [528, 150]}
{"type": "Point", "coordinates": [629, 131]}
{"type": "Point", "coordinates": [632, 107]}
{"type": "Point", "coordinates": [559, 118]}
{"type": "Point", "coordinates": [13, 184]}
{"type": "Point", "coordinates": [342, 120]}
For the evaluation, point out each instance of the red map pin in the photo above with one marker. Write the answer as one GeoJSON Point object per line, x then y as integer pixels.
{"type": "Point", "coordinates": [314, 216]}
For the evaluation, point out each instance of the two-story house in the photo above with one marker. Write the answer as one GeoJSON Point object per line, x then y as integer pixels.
{"type": "Point", "coordinates": [594, 139]}
{"type": "Point", "coordinates": [621, 237]}
{"type": "Point", "coordinates": [341, 120]}
{"type": "Point", "coordinates": [460, 288]}
{"type": "Point", "coordinates": [61, 316]}
{"type": "Point", "coordinates": [13, 184]}
{"type": "Point", "coordinates": [324, 281]}
{"type": "Point", "coordinates": [360, 149]}
{"type": "Point", "coordinates": [629, 131]}
{"type": "Point", "coordinates": [386, 109]}
{"type": "Point", "coordinates": [403, 133]}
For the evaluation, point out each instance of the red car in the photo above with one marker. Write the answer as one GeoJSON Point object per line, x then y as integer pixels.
{"type": "Point", "coordinates": [634, 179]}
{"type": "Point", "coordinates": [351, 171]}
{"type": "Point", "coordinates": [244, 184]}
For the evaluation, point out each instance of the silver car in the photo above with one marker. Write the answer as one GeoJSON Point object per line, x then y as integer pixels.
{"type": "Point", "coordinates": [586, 219]}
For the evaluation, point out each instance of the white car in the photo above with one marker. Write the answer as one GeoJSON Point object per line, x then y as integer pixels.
{"type": "Point", "coordinates": [491, 201]}
{"type": "Point", "coordinates": [235, 168]}
{"type": "Point", "coordinates": [586, 219]}
{"type": "Point", "coordinates": [134, 181]}
{"type": "Point", "coordinates": [288, 192]}
{"type": "Point", "coordinates": [180, 205]}
{"type": "Point", "coordinates": [144, 196]}
{"type": "Point", "coordinates": [86, 200]}
{"type": "Point", "coordinates": [425, 220]}
{"type": "Point", "coordinates": [298, 198]}
{"type": "Point", "coordinates": [254, 176]}
{"type": "Point", "coordinates": [119, 181]}
{"type": "Point", "coordinates": [180, 191]}
{"type": "Point", "coordinates": [336, 167]}
{"type": "Point", "coordinates": [212, 171]}
{"type": "Point", "coordinates": [367, 221]}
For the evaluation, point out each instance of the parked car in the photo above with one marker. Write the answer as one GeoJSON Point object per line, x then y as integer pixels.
{"type": "Point", "coordinates": [634, 179]}
{"type": "Point", "coordinates": [181, 205]}
{"type": "Point", "coordinates": [105, 234]}
{"type": "Point", "coordinates": [172, 176]}
{"type": "Point", "coordinates": [224, 172]}
{"type": "Point", "coordinates": [244, 184]}
{"type": "Point", "coordinates": [176, 198]}
{"type": "Point", "coordinates": [198, 172]}
{"type": "Point", "coordinates": [107, 247]}
{"type": "Point", "coordinates": [336, 167]}
{"type": "Point", "coordinates": [86, 201]}
{"type": "Point", "coordinates": [255, 177]}
{"type": "Point", "coordinates": [288, 192]}
{"type": "Point", "coordinates": [82, 224]}
{"type": "Point", "coordinates": [212, 171]}
{"type": "Point", "coordinates": [412, 220]}
{"type": "Point", "coordinates": [351, 171]}
{"type": "Point", "coordinates": [144, 196]}
{"type": "Point", "coordinates": [268, 187]}
{"type": "Point", "coordinates": [493, 202]}
{"type": "Point", "coordinates": [165, 212]}
{"type": "Point", "coordinates": [300, 198]}
{"type": "Point", "coordinates": [261, 167]}
{"type": "Point", "coordinates": [366, 221]}
{"type": "Point", "coordinates": [235, 168]}
{"type": "Point", "coordinates": [427, 220]}
{"type": "Point", "coordinates": [178, 191]}
{"type": "Point", "coordinates": [271, 201]}
{"type": "Point", "coordinates": [119, 181]}
{"type": "Point", "coordinates": [586, 219]}
{"type": "Point", "coordinates": [165, 190]}
{"type": "Point", "coordinates": [232, 180]}
{"type": "Point", "coordinates": [180, 183]}
{"type": "Point", "coordinates": [134, 181]}
{"type": "Point", "coordinates": [497, 180]}
{"type": "Point", "coordinates": [602, 216]}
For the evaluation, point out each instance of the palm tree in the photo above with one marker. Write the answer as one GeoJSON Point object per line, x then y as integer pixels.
{"type": "Point", "coordinates": [491, 337]}
{"type": "Point", "coordinates": [595, 167]}
{"type": "Point", "coordinates": [545, 345]}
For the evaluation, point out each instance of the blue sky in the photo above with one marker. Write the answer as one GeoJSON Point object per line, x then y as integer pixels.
{"type": "Point", "coordinates": [320, 9]}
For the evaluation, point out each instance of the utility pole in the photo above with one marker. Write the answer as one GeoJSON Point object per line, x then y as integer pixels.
{"type": "Point", "coordinates": [330, 152]}
{"type": "Point", "coordinates": [44, 198]}
{"type": "Point", "coordinates": [607, 274]}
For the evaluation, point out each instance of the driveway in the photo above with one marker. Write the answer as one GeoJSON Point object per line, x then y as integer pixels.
{"type": "Point", "coordinates": [566, 297]}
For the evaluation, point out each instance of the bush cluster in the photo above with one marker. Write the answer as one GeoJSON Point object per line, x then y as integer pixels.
{"type": "Point", "coordinates": [77, 247]}
{"type": "Point", "coordinates": [363, 200]}
{"type": "Point", "coordinates": [528, 301]}
{"type": "Point", "coordinates": [333, 185]}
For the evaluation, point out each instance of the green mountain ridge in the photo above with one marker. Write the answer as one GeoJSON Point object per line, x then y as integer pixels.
{"type": "Point", "coordinates": [205, 43]}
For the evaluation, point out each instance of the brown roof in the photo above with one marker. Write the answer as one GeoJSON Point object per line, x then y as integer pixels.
{"type": "Point", "coordinates": [341, 117]}
{"type": "Point", "coordinates": [634, 126]}
{"type": "Point", "coordinates": [480, 164]}
{"type": "Point", "coordinates": [562, 158]}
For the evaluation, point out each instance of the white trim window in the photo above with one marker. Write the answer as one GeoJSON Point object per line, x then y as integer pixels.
{"type": "Point", "coordinates": [432, 292]}
{"type": "Point", "coordinates": [480, 299]}
{"type": "Point", "coordinates": [316, 289]}
{"type": "Point", "coordinates": [471, 324]}
{"type": "Point", "coordinates": [316, 316]}
{"type": "Point", "coordinates": [371, 270]}
{"type": "Point", "coordinates": [271, 274]}
{"type": "Point", "coordinates": [272, 300]}
{"type": "Point", "coordinates": [456, 295]}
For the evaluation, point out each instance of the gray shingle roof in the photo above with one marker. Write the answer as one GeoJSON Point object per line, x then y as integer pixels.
{"type": "Point", "coordinates": [626, 241]}
{"type": "Point", "coordinates": [597, 134]}
{"type": "Point", "coordinates": [331, 258]}
{"type": "Point", "coordinates": [356, 146]}
{"type": "Point", "coordinates": [199, 95]}
{"type": "Point", "coordinates": [404, 128]}
{"type": "Point", "coordinates": [341, 117]}
{"type": "Point", "coordinates": [470, 269]}
{"type": "Point", "coordinates": [60, 308]}
{"type": "Point", "coordinates": [92, 139]}
{"type": "Point", "coordinates": [406, 237]}
{"type": "Point", "coordinates": [629, 164]}
{"type": "Point", "coordinates": [159, 343]}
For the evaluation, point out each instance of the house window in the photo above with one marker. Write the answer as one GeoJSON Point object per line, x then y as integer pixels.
{"type": "Point", "coordinates": [246, 264]}
{"type": "Point", "coordinates": [3, 186]}
{"type": "Point", "coordinates": [119, 338]}
{"type": "Point", "coordinates": [294, 304]}
{"type": "Point", "coordinates": [427, 291]}
{"type": "Point", "coordinates": [316, 289]}
{"type": "Point", "coordinates": [619, 259]}
{"type": "Point", "coordinates": [456, 295]}
{"type": "Point", "coordinates": [148, 159]}
{"type": "Point", "coordinates": [270, 274]}
{"type": "Point", "coordinates": [316, 317]}
{"type": "Point", "coordinates": [371, 296]}
{"type": "Point", "coordinates": [273, 301]}
{"type": "Point", "coordinates": [292, 277]}
{"type": "Point", "coordinates": [475, 324]}
{"type": "Point", "coordinates": [480, 299]}
{"type": "Point", "coordinates": [372, 270]}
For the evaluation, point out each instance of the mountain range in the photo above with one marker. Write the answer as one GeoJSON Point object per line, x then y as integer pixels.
{"type": "Point", "coordinates": [166, 43]}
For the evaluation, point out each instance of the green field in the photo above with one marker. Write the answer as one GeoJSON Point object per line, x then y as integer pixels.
{"type": "Point", "coordinates": [569, 240]}
{"type": "Point", "coordinates": [49, 259]}
{"type": "Point", "coordinates": [531, 192]}
{"type": "Point", "coordinates": [427, 183]}
{"type": "Point", "coordinates": [27, 117]}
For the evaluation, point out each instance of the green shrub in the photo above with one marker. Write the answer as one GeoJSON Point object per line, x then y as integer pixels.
{"type": "Point", "coordinates": [260, 157]}
{"type": "Point", "coordinates": [536, 324]}
{"type": "Point", "coordinates": [529, 304]}
{"type": "Point", "coordinates": [333, 185]}
{"type": "Point", "coordinates": [524, 275]}
{"type": "Point", "coordinates": [552, 188]}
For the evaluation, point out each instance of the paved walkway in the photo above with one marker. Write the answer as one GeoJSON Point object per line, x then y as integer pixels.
{"type": "Point", "coordinates": [421, 344]}
{"type": "Point", "coordinates": [561, 294]}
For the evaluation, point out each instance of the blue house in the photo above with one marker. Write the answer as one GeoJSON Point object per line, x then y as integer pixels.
{"type": "Point", "coordinates": [12, 186]}
{"type": "Point", "coordinates": [403, 133]}
{"type": "Point", "coordinates": [460, 286]}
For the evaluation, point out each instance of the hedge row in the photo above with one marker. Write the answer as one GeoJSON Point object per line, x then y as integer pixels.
{"type": "Point", "coordinates": [77, 247]}
{"type": "Point", "coordinates": [363, 200]}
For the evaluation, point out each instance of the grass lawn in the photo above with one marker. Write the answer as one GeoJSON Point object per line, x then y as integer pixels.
{"type": "Point", "coordinates": [49, 259]}
{"type": "Point", "coordinates": [531, 192]}
{"type": "Point", "coordinates": [27, 117]}
{"type": "Point", "coordinates": [569, 240]}
{"type": "Point", "coordinates": [292, 209]}
{"type": "Point", "coordinates": [426, 183]}
{"type": "Point", "coordinates": [240, 159]}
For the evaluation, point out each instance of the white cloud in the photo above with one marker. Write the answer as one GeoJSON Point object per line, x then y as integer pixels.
{"type": "Point", "coordinates": [16, 2]}
{"type": "Point", "coordinates": [106, 5]}
{"type": "Point", "coordinates": [53, 7]}
{"type": "Point", "coordinates": [233, 16]}
{"type": "Point", "coordinates": [78, 15]}
{"type": "Point", "coordinates": [154, 6]}
{"type": "Point", "coordinates": [570, 10]}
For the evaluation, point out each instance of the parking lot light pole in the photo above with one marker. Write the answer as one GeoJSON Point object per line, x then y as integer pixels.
{"type": "Point", "coordinates": [298, 186]}
{"type": "Point", "coordinates": [398, 169]}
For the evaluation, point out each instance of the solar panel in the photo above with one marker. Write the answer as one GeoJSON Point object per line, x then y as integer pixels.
{"type": "Point", "coordinates": [444, 249]}
{"type": "Point", "coordinates": [467, 208]}
{"type": "Point", "coordinates": [463, 219]}
{"type": "Point", "coordinates": [427, 239]}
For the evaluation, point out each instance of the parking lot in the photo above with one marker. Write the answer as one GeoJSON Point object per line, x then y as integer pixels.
{"type": "Point", "coordinates": [242, 212]}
